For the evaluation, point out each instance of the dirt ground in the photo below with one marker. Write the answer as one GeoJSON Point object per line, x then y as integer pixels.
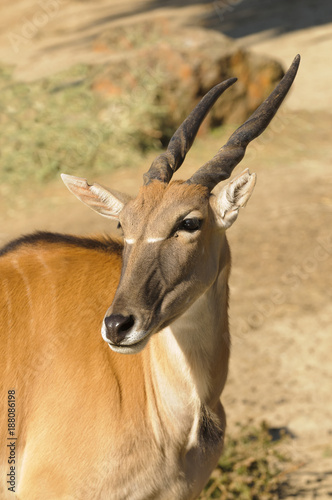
{"type": "Point", "coordinates": [281, 284]}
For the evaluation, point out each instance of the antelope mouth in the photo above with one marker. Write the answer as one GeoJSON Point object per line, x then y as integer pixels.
{"type": "Point", "coordinates": [129, 345]}
{"type": "Point", "coordinates": [130, 348]}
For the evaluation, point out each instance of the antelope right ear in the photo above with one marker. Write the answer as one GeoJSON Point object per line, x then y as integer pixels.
{"type": "Point", "coordinates": [227, 203]}
{"type": "Point", "coordinates": [105, 202]}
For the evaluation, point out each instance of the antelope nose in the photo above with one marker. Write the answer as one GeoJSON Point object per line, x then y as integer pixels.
{"type": "Point", "coordinates": [117, 327]}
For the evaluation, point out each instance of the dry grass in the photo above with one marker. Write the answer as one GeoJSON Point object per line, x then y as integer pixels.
{"type": "Point", "coordinates": [60, 124]}
{"type": "Point", "coordinates": [250, 467]}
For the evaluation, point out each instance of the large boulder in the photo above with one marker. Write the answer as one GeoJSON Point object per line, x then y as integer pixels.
{"type": "Point", "coordinates": [178, 69]}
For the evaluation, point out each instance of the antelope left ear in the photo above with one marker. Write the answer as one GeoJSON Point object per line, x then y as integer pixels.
{"type": "Point", "coordinates": [227, 203]}
{"type": "Point", "coordinates": [104, 201]}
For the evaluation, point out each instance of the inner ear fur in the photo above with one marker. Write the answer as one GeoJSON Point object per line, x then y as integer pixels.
{"type": "Point", "coordinates": [230, 198]}
{"type": "Point", "coordinates": [106, 202]}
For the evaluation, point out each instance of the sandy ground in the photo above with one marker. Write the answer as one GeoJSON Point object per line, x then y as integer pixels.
{"type": "Point", "coordinates": [281, 284]}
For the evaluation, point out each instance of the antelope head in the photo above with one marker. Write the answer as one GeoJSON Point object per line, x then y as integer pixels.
{"type": "Point", "coordinates": [174, 231]}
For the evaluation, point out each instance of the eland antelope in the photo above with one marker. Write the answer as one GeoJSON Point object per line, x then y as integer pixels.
{"type": "Point", "coordinates": [133, 413]}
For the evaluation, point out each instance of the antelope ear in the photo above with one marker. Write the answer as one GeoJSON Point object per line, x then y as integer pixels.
{"type": "Point", "coordinates": [105, 202]}
{"type": "Point", "coordinates": [227, 203]}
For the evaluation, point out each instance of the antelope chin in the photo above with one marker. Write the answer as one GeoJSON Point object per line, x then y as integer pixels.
{"type": "Point", "coordinates": [130, 348]}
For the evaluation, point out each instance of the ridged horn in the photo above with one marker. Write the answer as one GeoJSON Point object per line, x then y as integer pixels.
{"type": "Point", "coordinates": [164, 166]}
{"type": "Point", "coordinates": [222, 164]}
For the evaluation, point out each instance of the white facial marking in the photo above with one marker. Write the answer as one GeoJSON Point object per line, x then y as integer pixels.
{"type": "Point", "coordinates": [154, 240]}
{"type": "Point", "coordinates": [131, 241]}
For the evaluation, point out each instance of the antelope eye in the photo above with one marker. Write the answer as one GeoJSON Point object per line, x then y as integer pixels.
{"type": "Point", "coordinates": [190, 225]}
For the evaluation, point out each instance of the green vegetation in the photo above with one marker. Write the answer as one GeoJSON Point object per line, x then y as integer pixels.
{"type": "Point", "coordinates": [250, 468]}
{"type": "Point", "coordinates": [61, 124]}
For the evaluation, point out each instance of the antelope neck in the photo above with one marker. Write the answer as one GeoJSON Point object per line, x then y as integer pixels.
{"type": "Point", "coordinates": [189, 365]}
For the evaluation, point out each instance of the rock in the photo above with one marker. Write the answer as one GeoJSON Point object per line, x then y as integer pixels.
{"type": "Point", "coordinates": [178, 69]}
